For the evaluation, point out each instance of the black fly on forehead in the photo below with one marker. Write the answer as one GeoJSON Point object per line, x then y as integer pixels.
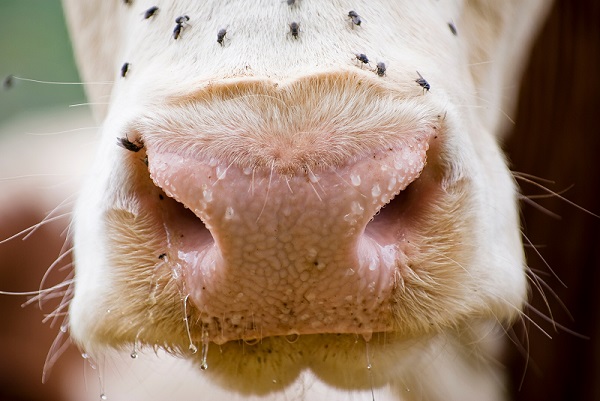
{"type": "Point", "coordinates": [125, 143]}
{"type": "Point", "coordinates": [179, 21]}
{"type": "Point", "coordinates": [380, 69]}
{"type": "Point", "coordinates": [182, 19]}
{"type": "Point", "coordinates": [355, 18]}
{"type": "Point", "coordinates": [362, 58]}
{"type": "Point", "coordinates": [150, 12]}
{"type": "Point", "coordinates": [423, 83]}
{"type": "Point", "coordinates": [125, 69]}
{"type": "Point", "coordinates": [452, 28]}
{"type": "Point", "coordinates": [294, 29]}
{"type": "Point", "coordinates": [221, 36]}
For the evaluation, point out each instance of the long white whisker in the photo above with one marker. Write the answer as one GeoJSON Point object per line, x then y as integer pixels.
{"type": "Point", "coordinates": [29, 229]}
{"type": "Point", "coordinates": [557, 195]}
{"type": "Point", "coordinates": [61, 132]}
{"type": "Point", "coordinates": [37, 81]}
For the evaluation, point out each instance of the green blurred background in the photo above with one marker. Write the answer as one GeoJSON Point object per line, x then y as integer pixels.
{"type": "Point", "coordinates": [34, 44]}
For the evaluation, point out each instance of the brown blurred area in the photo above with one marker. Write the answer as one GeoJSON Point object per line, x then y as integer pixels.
{"type": "Point", "coordinates": [25, 340]}
{"type": "Point", "coordinates": [557, 137]}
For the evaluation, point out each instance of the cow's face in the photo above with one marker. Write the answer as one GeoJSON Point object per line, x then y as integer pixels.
{"type": "Point", "coordinates": [278, 202]}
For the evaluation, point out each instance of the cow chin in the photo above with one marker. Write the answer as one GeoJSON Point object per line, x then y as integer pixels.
{"type": "Point", "coordinates": [284, 210]}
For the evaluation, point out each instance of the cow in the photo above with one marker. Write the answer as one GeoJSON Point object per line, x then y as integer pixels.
{"type": "Point", "coordinates": [306, 207]}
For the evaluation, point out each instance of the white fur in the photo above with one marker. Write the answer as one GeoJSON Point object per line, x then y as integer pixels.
{"type": "Point", "coordinates": [443, 343]}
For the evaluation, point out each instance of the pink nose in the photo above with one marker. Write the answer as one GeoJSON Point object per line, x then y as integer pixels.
{"type": "Point", "coordinates": [283, 244]}
{"type": "Point", "coordinates": [288, 253]}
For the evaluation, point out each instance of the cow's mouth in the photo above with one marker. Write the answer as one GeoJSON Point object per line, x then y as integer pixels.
{"type": "Point", "coordinates": [260, 253]}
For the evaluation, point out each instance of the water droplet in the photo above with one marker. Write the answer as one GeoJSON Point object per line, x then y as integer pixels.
{"type": "Point", "coordinates": [372, 265]}
{"type": "Point", "coordinates": [355, 179]}
{"type": "Point", "coordinates": [367, 337]}
{"type": "Point", "coordinates": [221, 172]}
{"type": "Point", "coordinates": [64, 327]}
{"type": "Point", "coordinates": [248, 170]}
{"type": "Point", "coordinates": [251, 341]}
{"type": "Point", "coordinates": [208, 195]}
{"type": "Point", "coordinates": [313, 178]}
{"type": "Point", "coordinates": [376, 190]}
{"type": "Point", "coordinates": [392, 183]}
{"type": "Point", "coordinates": [229, 213]}
{"type": "Point", "coordinates": [134, 353]}
{"type": "Point", "coordinates": [85, 356]}
{"type": "Point", "coordinates": [398, 162]}
{"type": "Point", "coordinates": [213, 162]}
{"type": "Point", "coordinates": [103, 397]}
{"type": "Point", "coordinates": [193, 349]}
{"type": "Point", "coordinates": [292, 338]}
{"type": "Point", "coordinates": [357, 208]}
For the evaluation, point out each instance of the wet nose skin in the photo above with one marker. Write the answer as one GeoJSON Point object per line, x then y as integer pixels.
{"type": "Point", "coordinates": [279, 246]}
{"type": "Point", "coordinates": [288, 253]}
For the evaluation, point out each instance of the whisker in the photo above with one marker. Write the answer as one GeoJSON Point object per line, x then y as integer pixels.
{"type": "Point", "coordinates": [45, 220]}
{"type": "Point", "coordinates": [554, 294]}
{"type": "Point", "coordinates": [556, 194]}
{"type": "Point", "coordinates": [88, 104]}
{"type": "Point", "coordinates": [534, 280]}
{"type": "Point", "coordinates": [37, 292]}
{"type": "Point", "coordinates": [547, 212]}
{"type": "Point", "coordinates": [558, 325]}
{"type": "Point", "coordinates": [268, 190]}
{"type": "Point", "coordinates": [543, 260]}
{"type": "Point", "coordinates": [48, 293]}
{"type": "Point", "coordinates": [61, 132]}
{"type": "Point", "coordinates": [58, 347]}
{"type": "Point", "coordinates": [34, 227]}
{"type": "Point", "coordinates": [547, 196]}
{"type": "Point", "coordinates": [37, 81]}
{"type": "Point", "coordinates": [519, 174]}
{"type": "Point", "coordinates": [22, 177]}
{"type": "Point", "coordinates": [52, 266]}
{"type": "Point", "coordinates": [530, 320]}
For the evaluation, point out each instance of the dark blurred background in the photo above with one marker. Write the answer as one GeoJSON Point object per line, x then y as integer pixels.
{"type": "Point", "coordinates": [555, 137]}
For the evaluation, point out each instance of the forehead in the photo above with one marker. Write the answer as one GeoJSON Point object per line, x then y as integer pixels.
{"type": "Point", "coordinates": [395, 32]}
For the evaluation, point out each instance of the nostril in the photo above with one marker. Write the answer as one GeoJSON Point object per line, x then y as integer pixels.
{"type": "Point", "coordinates": [187, 231]}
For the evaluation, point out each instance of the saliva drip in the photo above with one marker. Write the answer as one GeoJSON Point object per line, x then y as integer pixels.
{"type": "Point", "coordinates": [134, 354]}
{"type": "Point", "coordinates": [370, 369]}
{"type": "Point", "coordinates": [192, 347]}
{"type": "Point", "coordinates": [205, 341]}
